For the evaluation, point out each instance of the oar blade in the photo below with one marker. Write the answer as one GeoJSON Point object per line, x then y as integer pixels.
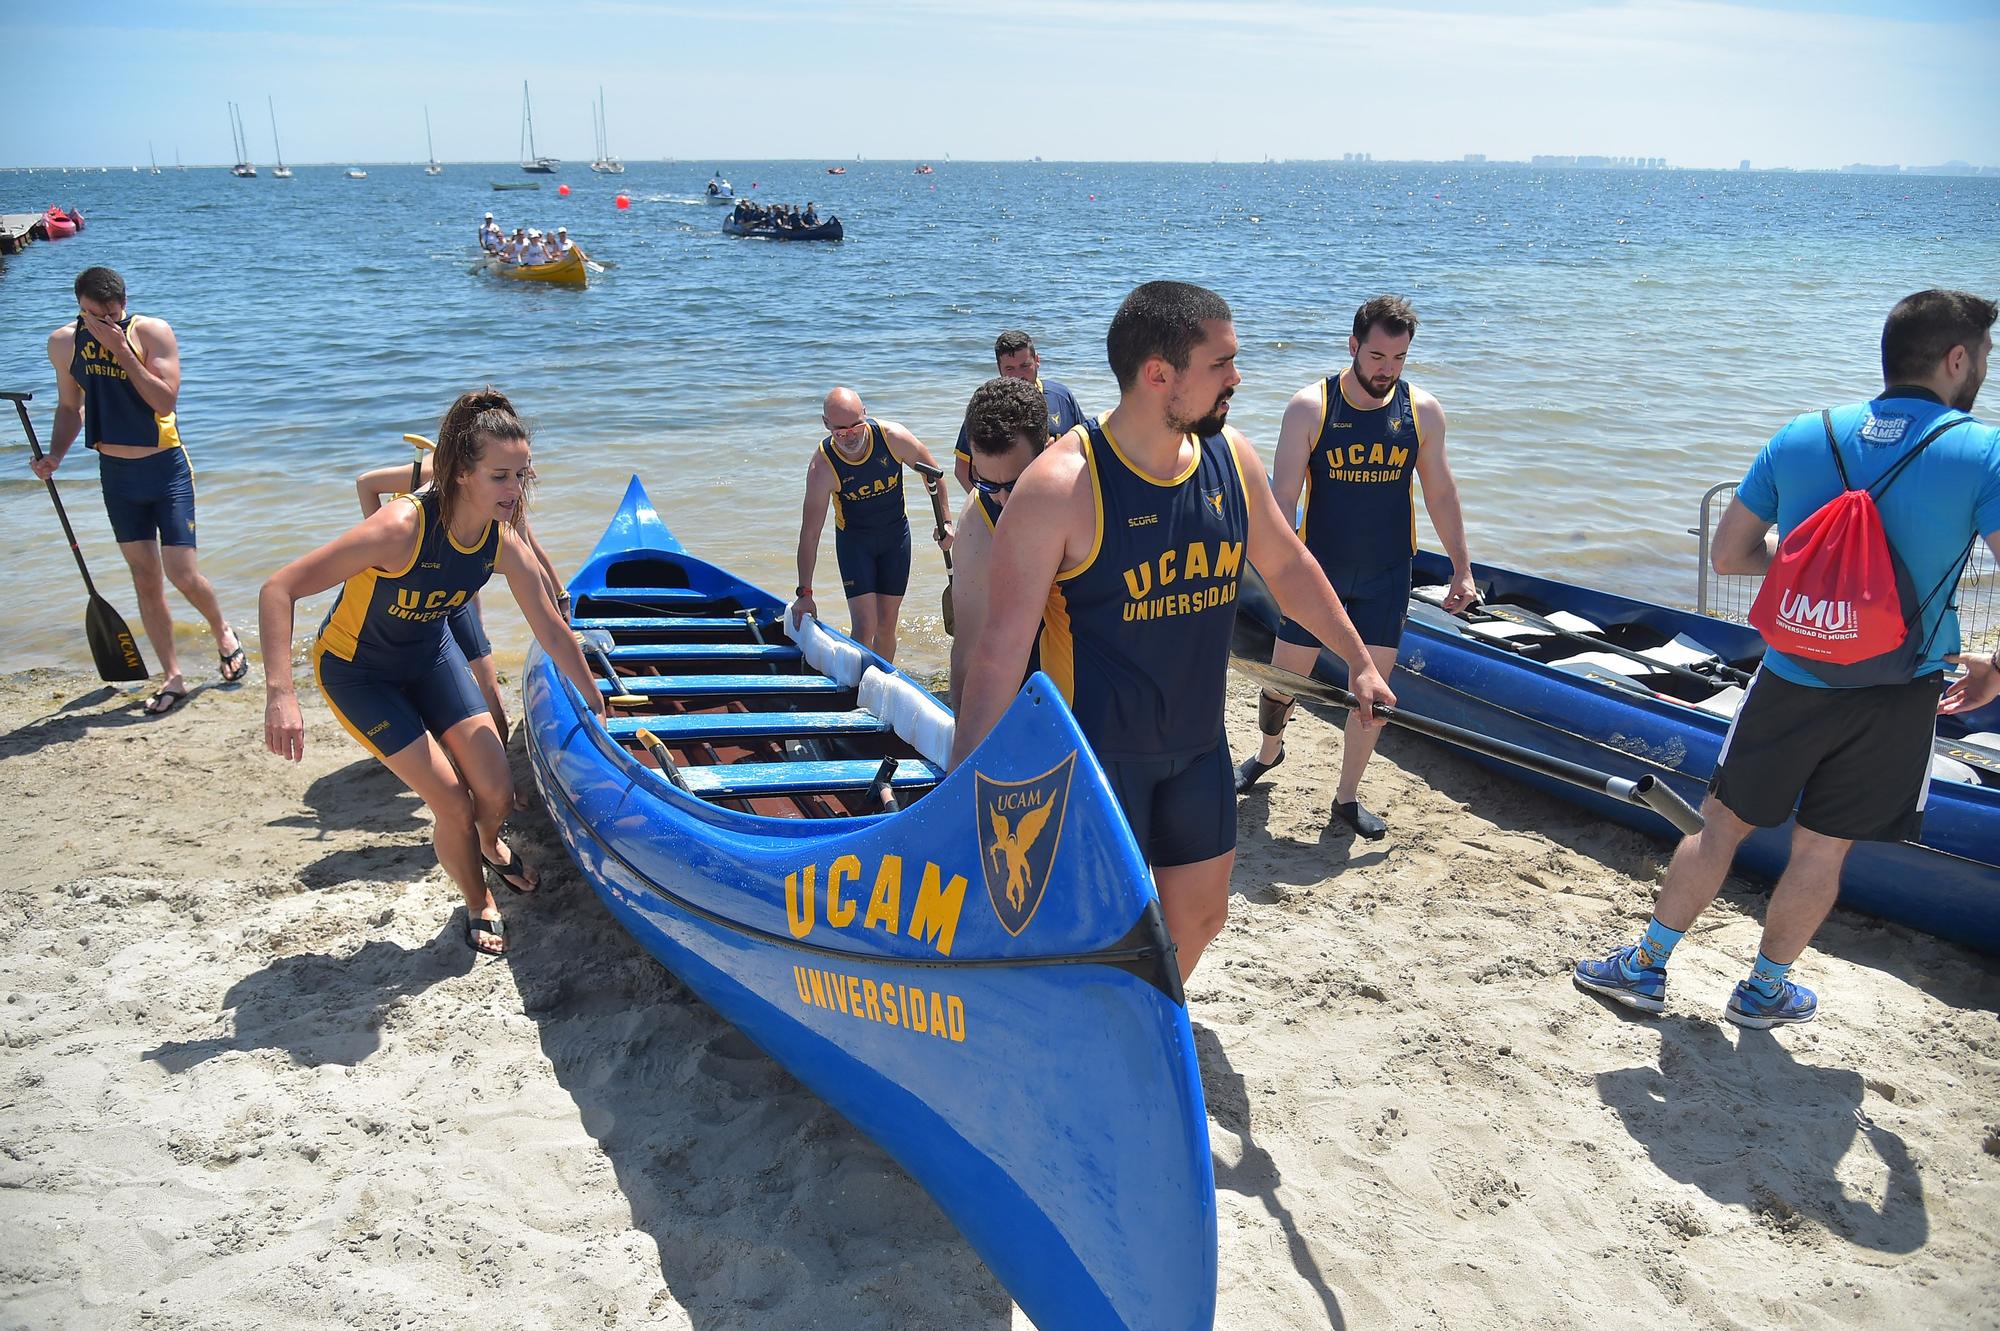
{"type": "Point", "coordinates": [112, 645]}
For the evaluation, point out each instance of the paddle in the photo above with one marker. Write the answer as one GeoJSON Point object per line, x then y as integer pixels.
{"type": "Point", "coordinates": [590, 263]}
{"type": "Point", "coordinates": [592, 642]}
{"type": "Point", "coordinates": [1648, 791]}
{"type": "Point", "coordinates": [112, 645]}
{"type": "Point", "coordinates": [1510, 614]}
{"type": "Point", "coordinates": [670, 769]}
{"type": "Point", "coordinates": [933, 482]}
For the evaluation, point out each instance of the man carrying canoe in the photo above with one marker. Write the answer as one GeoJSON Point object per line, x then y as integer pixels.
{"type": "Point", "coordinates": [1354, 440]}
{"type": "Point", "coordinates": [1847, 746]}
{"type": "Point", "coordinates": [1015, 357]}
{"type": "Point", "coordinates": [1123, 545]}
{"type": "Point", "coordinates": [858, 468]}
{"type": "Point", "coordinates": [1008, 425]}
{"type": "Point", "coordinates": [118, 380]}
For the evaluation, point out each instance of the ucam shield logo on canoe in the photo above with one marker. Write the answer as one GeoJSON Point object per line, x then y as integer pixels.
{"type": "Point", "coordinates": [1020, 827]}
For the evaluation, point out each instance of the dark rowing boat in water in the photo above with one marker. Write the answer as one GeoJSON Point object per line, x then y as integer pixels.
{"type": "Point", "coordinates": [1551, 667]}
{"type": "Point", "coordinates": [980, 980]}
{"type": "Point", "coordinates": [830, 229]}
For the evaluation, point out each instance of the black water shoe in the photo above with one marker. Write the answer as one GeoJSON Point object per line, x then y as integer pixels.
{"type": "Point", "coordinates": [1363, 822]}
{"type": "Point", "coordinates": [1250, 771]}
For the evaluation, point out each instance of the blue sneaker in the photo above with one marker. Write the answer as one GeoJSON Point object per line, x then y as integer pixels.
{"type": "Point", "coordinates": [1647, 991]}
{"type": "Point", "coordinates": [1795, 1003]}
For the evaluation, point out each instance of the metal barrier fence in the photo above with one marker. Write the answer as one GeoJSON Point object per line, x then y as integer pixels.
{"type": "Point", "coordinates": [1730, 597]}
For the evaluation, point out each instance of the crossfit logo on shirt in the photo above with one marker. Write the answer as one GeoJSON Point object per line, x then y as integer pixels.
{"type": "Point", "coordinates": [1885, 429]}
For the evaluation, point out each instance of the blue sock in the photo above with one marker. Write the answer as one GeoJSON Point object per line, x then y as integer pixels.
{"type": "Point", "coordinates": [1767, 977]}
{"type": "Point", "coordinates": [1655, 946]}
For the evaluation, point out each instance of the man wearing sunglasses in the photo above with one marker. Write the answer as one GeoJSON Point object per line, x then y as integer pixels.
{"type": "Point", "coordinates": [1015, 357]}
{"type": "Point", "coordinates": [1008, 427]}
{"type": "Point", "coordinates": [858, 470]}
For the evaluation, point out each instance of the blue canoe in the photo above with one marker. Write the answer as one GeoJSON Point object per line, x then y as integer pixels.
{"type": "Point", "coordinates": [1598, 708]}
{"type": "Point", "coordinates": [981, 981]}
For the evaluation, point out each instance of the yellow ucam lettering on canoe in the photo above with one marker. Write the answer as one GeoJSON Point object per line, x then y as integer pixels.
{"type": "Point", "coordinates": [933, 918]}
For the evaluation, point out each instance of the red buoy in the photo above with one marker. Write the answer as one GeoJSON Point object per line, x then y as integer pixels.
{"type": "Point", "coordinates": [563, 190]}
{"type": "Point", "coordinates": [624, 201]}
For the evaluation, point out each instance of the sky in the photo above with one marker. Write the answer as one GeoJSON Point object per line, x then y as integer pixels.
{"type": "Point", "coordinates": [1807, 83]}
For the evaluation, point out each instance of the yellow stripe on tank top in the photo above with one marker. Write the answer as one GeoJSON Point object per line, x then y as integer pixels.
{"type": "Point", "coordinates": [342, 634]}
{"type": "Point", "coordinates": [1058, 645]}
{"type": "Point", "coordinates": [1097, 505]}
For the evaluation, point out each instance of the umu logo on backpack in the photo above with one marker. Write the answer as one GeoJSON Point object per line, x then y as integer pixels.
{"type": "Point", "coordinates": [1837, 599]}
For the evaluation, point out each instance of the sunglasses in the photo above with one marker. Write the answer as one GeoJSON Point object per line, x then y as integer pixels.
{"type": "Point", "coordinates": [848, 428]}
{"type": "Point", "coordinates": [986, 487]}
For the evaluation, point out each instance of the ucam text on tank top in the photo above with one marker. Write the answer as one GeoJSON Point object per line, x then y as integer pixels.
{"type": "Point", "coordinates": [1357, 512]}
{"type": "Point", "coordinates": [1137, 636]}
{"type": "Point", "coordinates": [867, 491]}
{"type": "Point", "coordinates": [113, 411]}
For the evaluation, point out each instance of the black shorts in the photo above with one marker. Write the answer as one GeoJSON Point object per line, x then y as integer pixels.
{"type": "Point", "coordinates": [874, 563]}
{"type": "Point", "coordinates": [1182, 810]}
{"type": "Point", "coordinates": [149, 498]}
{"type": "Point", "coordinates": [1377, 600]}
{"type": "Point", "coordinates": [1854, 763]}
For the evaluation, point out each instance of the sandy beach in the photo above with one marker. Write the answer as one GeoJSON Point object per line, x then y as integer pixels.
{"type": "Point", "coordinates": [253, 1078]}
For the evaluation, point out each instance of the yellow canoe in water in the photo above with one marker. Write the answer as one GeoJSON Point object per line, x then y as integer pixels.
{"type": "Point", "coordinates": [567, 271]}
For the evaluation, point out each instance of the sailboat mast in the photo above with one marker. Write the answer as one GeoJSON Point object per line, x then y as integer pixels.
{"type": "Point", "coordinates": [275, 145]}
{"type": "Point", "coordinates": [527, 122]}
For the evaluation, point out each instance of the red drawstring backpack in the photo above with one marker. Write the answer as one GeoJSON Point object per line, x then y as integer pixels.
{"type": "Point", "coordinates": [1835, 597]}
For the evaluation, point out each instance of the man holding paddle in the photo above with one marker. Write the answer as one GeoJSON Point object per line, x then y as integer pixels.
{"type": "Point", "coordinates": [118, 379]}
{"type": "Point", "coordinates": [858, 469]}
{"type": "Point", "coordinates": [1354, 441]}
{"type": "Point", "coordinates": [1122, 549]}
{"type": "Point", "coordinates": [1844, 744]}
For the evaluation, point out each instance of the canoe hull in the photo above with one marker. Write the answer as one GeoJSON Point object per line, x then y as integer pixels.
{"type": "Point", "coordinates": [1049, 1102]}
{"type": "Point", "coordinates": [830, 229]}
{"type": "Point", "coordinates": [1949, 885]}
{"type": "Point", "coordinates": [567, 271]}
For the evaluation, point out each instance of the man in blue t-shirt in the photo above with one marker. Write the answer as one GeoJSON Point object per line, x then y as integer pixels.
{"type": "Point", "coordinates": [1015, 357]}
{"type": "Point", "coordinates": [1852, 760]}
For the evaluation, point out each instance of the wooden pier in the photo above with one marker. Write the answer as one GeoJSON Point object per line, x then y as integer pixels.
{"type": "Point", "coordinates": [16, 230]}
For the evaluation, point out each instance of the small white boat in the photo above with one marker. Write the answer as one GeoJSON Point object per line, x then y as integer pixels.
{"type": "Point", "coordinates": [355, 173]}
{"type": "Point", "coordinates": [605, 164]}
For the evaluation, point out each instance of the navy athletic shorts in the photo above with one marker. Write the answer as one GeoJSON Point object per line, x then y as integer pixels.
{"type": "Point", "coordinates": [1854, 763]}
{"type": "Point", "coordinates": [1182, 810]}
{"type": "Point", "coordinates": [466, 627]}
{"type": "Point", "coordinates": [1377, 600]}
{"type": "Point", "coordinates": [874, 563]}
{"type": "Point", "coordinates": [150, 497]}
{"type": "Point", "coordinates": [388, 710]}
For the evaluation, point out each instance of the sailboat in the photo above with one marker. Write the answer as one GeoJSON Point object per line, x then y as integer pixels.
{"type": "Point", "coordinates": [177, 158]}
{"type": "Point", "coordinates": [606, 164]}
{"type": "Point", "coordinates": [282, 172]}
{"type": "Point", "coordinates": [151, 158]}
{"type": "Point", "coordinates": [532, 162]}
{"type": "Point", "coordinates": [243, 169]}
{"type": "Point", "coordinates": [433, 169]}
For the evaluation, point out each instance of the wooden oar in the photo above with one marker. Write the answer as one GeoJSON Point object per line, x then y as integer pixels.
{"type": "Point", "coordinates": [934, 483]}
{"type": "Point", "coordinates": [1648, 791]}
{"type": "Point", "coordinates": [112, 646]}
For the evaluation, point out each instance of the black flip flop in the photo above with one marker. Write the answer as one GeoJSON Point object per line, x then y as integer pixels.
{"type": "Point", "coordinates": [475, 924]}
{"type": "Point", "coordinates": [235, 665]}
{"type": "Point", "coordinates": [174, 697]}
{"type": "Point", "coordinates": [500, 873]}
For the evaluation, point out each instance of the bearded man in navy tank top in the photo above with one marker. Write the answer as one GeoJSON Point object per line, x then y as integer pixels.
{"type": "Point", "coordinates": [1354, 441]}
{"type": "Point", "coordinates": [1121, 550]}
{"type": "Point", "coordinates": [118, 381]}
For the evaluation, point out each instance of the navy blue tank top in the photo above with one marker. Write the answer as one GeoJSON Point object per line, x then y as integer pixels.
{"type": "Point", "coordinates": [1358, 511]}
{"type": "Point", "coordinates": [990, 510]}
{"type": "Point", "coordinates": [396, 621]}
{"type": "Point", "coordinates": [867, 495]}
{"type": "Point", "coordinates": [1137, 636]}
{"type": "Point", "coordinates": [113, 411]}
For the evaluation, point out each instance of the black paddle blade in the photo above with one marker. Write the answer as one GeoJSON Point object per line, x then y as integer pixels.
{"type": "Point", "coordinates": [112, 645]}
